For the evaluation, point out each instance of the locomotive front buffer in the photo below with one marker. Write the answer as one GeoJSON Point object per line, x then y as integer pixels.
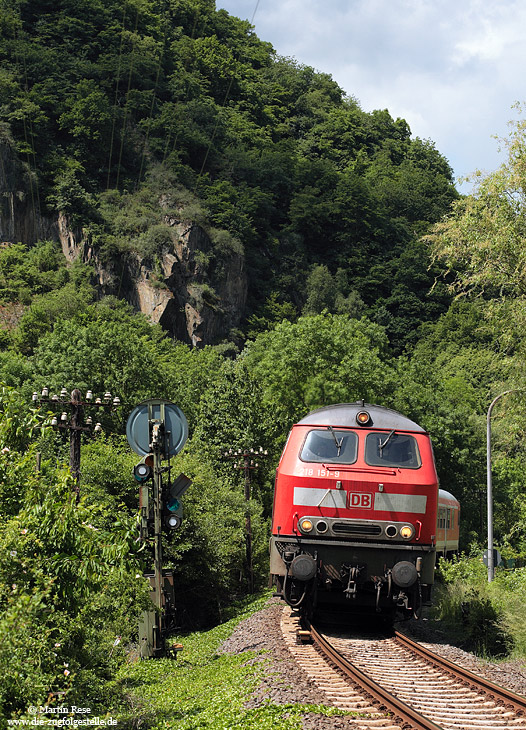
{"type": "Point", "coordinates": [324, 576]}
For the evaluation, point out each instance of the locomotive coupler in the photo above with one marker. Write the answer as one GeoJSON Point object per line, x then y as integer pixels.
{"type": "Point", "coordinates": [353, 573]}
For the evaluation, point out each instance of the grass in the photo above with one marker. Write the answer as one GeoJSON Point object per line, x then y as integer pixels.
{"type": "Point", "coordinates": [203, 689]}
{"type": "Point", "coordinates": [489, 619]}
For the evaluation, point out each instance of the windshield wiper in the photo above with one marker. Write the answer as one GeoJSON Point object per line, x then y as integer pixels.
{"type": "Point", "coordinates": [383, 444]}
{"type": "Point", "coordinates": [338, 443]}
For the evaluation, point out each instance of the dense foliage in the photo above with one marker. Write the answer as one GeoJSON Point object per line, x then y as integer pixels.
{"type": "Point", "coordinates": [126, 112]}
{"type": "Point", "coordinates": [114, 106]}
{"type": "Point", "coordinates": [484, 617]}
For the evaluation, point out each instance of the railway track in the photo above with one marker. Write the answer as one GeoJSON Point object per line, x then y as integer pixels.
{"type": "Point", "coordinates": [395, 683]}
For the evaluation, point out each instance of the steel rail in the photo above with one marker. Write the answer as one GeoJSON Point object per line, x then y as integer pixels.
{"type": "Point", "coordinates": [496, 692]}
{"type": "Point", "coordinates": [409, 716]}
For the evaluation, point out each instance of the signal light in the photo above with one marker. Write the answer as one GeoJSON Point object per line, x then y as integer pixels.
{"type": "Point", "coordinates": [143, 471]}
{"type": "Point", "coordinates": [407, 532]}
{"type": "Point", "coordinates": [172, 506]}
{"type": "Point", "coordinates": [172, 512]}
{"type": "Point", "coordinates": [173, 521]}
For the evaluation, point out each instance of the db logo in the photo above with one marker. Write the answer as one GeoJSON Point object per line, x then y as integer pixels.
{"type": "Point", "coordinates": [361, 500]}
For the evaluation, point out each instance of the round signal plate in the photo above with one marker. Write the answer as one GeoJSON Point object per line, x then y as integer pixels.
{"type": "Point", "coordinates": [138, 426]}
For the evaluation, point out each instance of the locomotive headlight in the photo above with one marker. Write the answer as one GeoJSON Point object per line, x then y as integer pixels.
{"type": "Point", "coordinates": [363, 418]}
{"type": "Point", "coordinates": [407, 532]}
{"type": "Point", "coordinates": [306, 525]}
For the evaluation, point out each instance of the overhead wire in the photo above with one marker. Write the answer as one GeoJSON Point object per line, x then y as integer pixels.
{"type": "Point", "coordinates": [132, 60]}
{"type": "Point", "coordinates": [218, 119]}
{"type": "Point", "coordinates": [36, 208]}
{"type": "Point", "coordinates": [167, 143]}
{"type": "Point", "coordinates": [124, 118]}
{"type": "Point", "coordinates": [154, 96]}
{"type": "Point", "coordinates": [116, 96]}
{"type": "Point", "coordinates": [152, 105]}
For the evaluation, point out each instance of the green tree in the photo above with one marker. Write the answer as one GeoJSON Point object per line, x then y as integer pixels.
{"type": "Point", "coordinates": [68, 583]}
{"type": "Point", "coordinates": [319, 360]}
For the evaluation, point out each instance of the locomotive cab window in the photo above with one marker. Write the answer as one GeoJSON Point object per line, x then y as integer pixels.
{"type": "Point", "coordinates": [330, 446]}
{"type": "Point", "coordinates": [392, 449]}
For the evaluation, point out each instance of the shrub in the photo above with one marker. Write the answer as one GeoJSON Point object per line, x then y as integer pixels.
{"type": "Point", "coordinates": [475, 613]}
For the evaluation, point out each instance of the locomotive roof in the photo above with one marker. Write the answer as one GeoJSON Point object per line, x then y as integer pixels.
{"type": "Point", "coordinates": [344, 414]}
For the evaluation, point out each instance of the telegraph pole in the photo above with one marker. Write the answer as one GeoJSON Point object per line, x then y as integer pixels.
{"type": "Point", "coordinates": [75, 424]}
{"type": "Point", "coordinates": [247, 464]}
{"type": "Point", "coordinates": [74, 421]}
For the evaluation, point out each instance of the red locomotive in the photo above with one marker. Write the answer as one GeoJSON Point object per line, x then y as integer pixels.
{"type": "Point", "coordinates": [355, 512]}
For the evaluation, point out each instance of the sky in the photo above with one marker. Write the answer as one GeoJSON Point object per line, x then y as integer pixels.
{"type": "Point", "coordinates": [453, 69]}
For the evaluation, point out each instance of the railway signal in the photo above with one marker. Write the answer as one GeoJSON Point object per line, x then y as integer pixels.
{"type": "Point", "coordinates": [157, 430]}
{"type": "Point", "coordinates": [172, 513]}
{"type": "Point", "coordinates": [143, 470]}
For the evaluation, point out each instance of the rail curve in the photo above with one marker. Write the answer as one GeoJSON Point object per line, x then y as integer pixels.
{"type": "Point", "coordinates": [398, 683]}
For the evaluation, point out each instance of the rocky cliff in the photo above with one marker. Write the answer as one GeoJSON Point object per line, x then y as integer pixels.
{"type": "Point", "coordinates": [20, 217]}
{"type": "Point", "coordinates": [194, 292]}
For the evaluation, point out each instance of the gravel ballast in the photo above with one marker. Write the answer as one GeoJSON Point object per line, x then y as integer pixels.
{"type": "Point", "coordinates": [285, 683]}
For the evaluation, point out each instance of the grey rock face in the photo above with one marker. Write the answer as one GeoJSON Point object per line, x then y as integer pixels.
{"type": "Point", "coordinates": [194, 292]}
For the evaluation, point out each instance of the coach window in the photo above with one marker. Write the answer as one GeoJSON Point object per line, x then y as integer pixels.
{"type": "Point", "coordinates": [330, 447]}
{"type": "Point", "coordinates": [392, 449]}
